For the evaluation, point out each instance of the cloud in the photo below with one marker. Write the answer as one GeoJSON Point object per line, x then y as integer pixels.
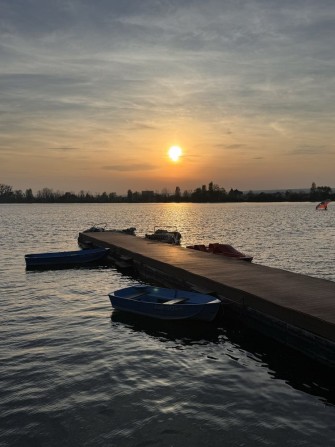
{"type": "Point", "coordinates": [65, 148]}
{"type": "Point", "coordinates": [131, 167]}
{"type": "Point", "coordinates": [79, 74]}
{"type": "Point", "coordinates": [234, 146]}
{"type": "Point", "coordinates": [311, 150]}
{"type": "Point", "coordinates": [156, 56]}
{"type": "Point", "coordinates": [142, 126]}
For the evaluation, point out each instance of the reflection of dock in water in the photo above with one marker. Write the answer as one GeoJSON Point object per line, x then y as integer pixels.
{"type": "Point", "coordinates": [295, 309]}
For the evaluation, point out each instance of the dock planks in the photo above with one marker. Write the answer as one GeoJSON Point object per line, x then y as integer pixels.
{"type": "Point", "coordinates": [291, 299]}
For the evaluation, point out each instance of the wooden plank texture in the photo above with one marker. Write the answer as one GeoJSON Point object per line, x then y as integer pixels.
{"type": "Point", "coordinates": [305, 302]}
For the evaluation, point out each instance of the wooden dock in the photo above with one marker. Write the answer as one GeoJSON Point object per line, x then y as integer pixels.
{"type": "Point", "coordinates": [295, 309]}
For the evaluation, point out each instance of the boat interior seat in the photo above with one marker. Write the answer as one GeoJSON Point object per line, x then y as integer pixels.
{"type": "Point", "coordinates": [135, 295]}
{"type": "Point", "coordinates": [176, 301]}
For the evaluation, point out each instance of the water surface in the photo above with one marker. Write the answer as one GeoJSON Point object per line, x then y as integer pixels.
{"type": "Point", "coordinates": [73, 372]}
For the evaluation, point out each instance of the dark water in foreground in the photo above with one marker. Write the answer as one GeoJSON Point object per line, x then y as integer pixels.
{"type": "Point", "coordinates": [73, 373]}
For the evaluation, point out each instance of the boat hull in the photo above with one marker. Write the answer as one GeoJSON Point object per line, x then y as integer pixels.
{"type": "Point", "coordinates": [67, 258]}
{"type": "Point", "coordinates": [165, 304]}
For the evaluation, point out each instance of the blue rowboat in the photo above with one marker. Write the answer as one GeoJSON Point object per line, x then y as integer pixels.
{"type": "Point", "coordinates": [165, 304]}
{"type": "Point", "coordinates": [65, 258]}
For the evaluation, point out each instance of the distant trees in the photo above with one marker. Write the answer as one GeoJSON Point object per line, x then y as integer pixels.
{"type": "Point", "coordinates": [177, 194]}
{"type": "Point", "coordinates": [6, 192]}
{"type": "Point", "coordinates": [318, 193]}
{"type": "Point", "coordinates": [130, 195]}
{"type": "Point", "coordinates": [212, 193]}
{"type": "Point", "coordinates": [29, 195]}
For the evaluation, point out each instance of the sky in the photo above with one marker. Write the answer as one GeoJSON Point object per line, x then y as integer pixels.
{"type": "Point", "coordinates": [94, 93]}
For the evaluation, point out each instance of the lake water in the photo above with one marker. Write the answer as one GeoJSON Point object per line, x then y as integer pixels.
{"type": "Point", "coordinates": [73, 373]}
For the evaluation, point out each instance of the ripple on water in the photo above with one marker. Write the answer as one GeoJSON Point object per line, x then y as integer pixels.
{"type": "Point", "coordinates": [73, 372]}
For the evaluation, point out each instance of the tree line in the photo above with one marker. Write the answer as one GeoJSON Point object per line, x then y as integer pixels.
{"type": "Point", "coordinates": [211, 193]}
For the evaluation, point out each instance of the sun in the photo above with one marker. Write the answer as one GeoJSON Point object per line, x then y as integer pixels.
{"type": "Point", "coordinates": [175, 153]}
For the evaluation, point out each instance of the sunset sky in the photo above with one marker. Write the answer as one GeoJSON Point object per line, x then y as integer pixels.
{"type": "Point", "coordinates": [94, 93]}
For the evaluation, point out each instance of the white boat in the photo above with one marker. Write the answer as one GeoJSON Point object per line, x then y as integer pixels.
{"type": "Point", "coordinates": [169, 236]}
